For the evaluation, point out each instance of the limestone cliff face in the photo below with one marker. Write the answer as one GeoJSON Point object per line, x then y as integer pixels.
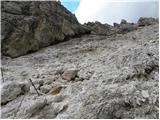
{"type": "Point", "coordinates": [28, 26]}
{"type": "Point", "coordinates": [124, 27]}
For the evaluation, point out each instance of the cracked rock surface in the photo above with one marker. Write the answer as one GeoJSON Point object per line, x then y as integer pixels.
{"type": "Point", "coordinates": [118, 77]}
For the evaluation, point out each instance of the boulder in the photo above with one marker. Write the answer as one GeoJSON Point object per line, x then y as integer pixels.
{"type": "Point", "coordinates": [69, 74]}
{"type": "Point", "coordinates": [31, 106]}
{"type": "Point", "coordinates": [28, 26]}
{"type": "Point", "coordinates": [24, 107]}
{"type": "Point", "coordinates": [147, 21]}
{"type": "Point", "coordinates": [116, 25]}
{"type": "Point", "coordinates": [124, 27]}
{"type": "Point", "coordinates": [123, 21]}
{"type": "Point", "coordinates": [11, 90]}
{"type": "Point", "coordinates": [128, 27]}
{"type": "Point", "coordinates": [99, 28]}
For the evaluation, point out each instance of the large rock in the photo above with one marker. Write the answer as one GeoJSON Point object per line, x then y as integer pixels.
{"type": "Point", "coordinates": [105, 29]}
{"type": "Point", "coordinates": [11, 90]}
{"type": "Point", "coordinates": [147, 21]}
{"type": "Point", "coordinates": [122, 28]}
{"type": "Point", "coordinates": [30, 25]}
{"type": "Point", "coordinates": [99, 28]}
{"type": "Point", "coordinates": [125, 27]}
{"type": "Point", "coordinates": [24, 107]}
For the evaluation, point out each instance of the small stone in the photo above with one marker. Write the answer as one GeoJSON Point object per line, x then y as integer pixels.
{"type": "Point", "coordinates": [59, 72]}
{"type": "Point", "coordinates": [43, 77]}
{"type": "Point", "coordinates": [36, 76]}
{"type": "Point", "coordinates": [54, 90]}
{"type": "Point", "coordinates": [45, 88]}
{"type": "Point", "coordinates": [38, 81]}
{"type": "Point", "coordinates": [145, 94]}
{"type": "Point", "coordinates": [24, 73]}
{"type": "Point", "coordinates": [69, 75]}
{"type": "Point", "coordinates": [152, 41]}
{"type": "Point", "coordinates": [133, 37]}
{"type": "Point", "coordinates": [32, 89]}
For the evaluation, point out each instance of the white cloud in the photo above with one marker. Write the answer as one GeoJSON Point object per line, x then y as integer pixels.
{"type": "Point", "coordinates": [109, 11]}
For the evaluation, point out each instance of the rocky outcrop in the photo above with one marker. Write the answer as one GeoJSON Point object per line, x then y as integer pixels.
{"type": "Point", "coordinates": [147, 21]}
{"type": "Point", "coordinates": [125, 27]}
{"type": "Point", "coordinates": [99, 28]}
{"type": "Point", "coordinates": [31, 25]}
{"type": "Point", "coordinates": [122, 28]}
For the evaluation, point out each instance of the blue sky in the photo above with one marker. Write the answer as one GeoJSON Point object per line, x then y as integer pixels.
{"type": "Point", "coordinates": [71, 5]}
{"type": "Point", "coordinates": [109, 11]}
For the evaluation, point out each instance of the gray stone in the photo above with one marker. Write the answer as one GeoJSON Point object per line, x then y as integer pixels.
{"type": "Point", "coordinates": [123, 22]}
{"type": "Point", "coordinates": [45, 88]}
{"type": "Point", "coordinates": [145, 94]}
{"type": "Point", "coordinates": [99, 28]}
{"type": "Point", "coordinates": [24, 107]}
{"type": "Point", "coordinates": [147, 21]}
{"type": "Point", "coordinates": [127, 27]}
{"type": "Point", "coordinates": [31, 25]}
{"type": "Point", "coordinates": [11, 90]}
{"type": "Point", "coordinates": [69, 75]}
{"type": "Point", "coordinates": [30, 106]}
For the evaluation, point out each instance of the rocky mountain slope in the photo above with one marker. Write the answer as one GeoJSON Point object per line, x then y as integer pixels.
{"type": "Point", "coordinates": [87, 77]}
{"type": "Point", "coordinates": [101, 71]}
{"type": "Point", "coordinates": [28, 26]}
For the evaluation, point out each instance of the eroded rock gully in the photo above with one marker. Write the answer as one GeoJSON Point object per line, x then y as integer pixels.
{"type": "Point", "coordinates": [117, 78]}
